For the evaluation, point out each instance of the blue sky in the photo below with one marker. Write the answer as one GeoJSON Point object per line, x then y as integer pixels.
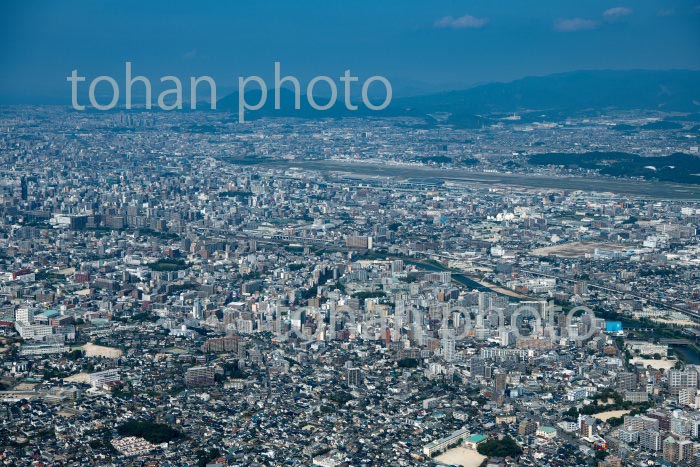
{"type": "Point", "coordinates": [417, 44]}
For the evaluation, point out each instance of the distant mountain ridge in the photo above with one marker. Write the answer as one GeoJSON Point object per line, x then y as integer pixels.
{"type": "Point", "coordinates": [558, 96]}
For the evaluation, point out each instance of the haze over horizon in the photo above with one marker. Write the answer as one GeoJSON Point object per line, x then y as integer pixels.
{"type": "Point", "coordinates": [421, 48]}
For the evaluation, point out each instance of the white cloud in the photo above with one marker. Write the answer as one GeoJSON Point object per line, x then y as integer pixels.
{"type": "Point", "coordinates": [463, 22]}
{"type": "Point", "coordinates": [574, 24]}
{"type": "Point", "coordinates": [617, 13]}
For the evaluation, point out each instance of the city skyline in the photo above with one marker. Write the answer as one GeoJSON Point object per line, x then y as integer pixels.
{"type": "Point", "coordinates": [406, 234]}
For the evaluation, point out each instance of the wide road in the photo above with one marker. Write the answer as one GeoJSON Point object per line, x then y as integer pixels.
{"type": "Point", "coordinates": [631, 188]}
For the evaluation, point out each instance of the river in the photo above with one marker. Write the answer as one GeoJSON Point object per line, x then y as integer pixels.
{"type": "Point", "coordinates": [457, 277]}
{"type": "Point", "coordinates": [687, 353]}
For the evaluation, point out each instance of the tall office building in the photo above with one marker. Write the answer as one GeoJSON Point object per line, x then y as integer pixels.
{"type": "Point", "coordinates": [650, 440]}
{"type": "Point", "coordinates": [640, 423]}
{"type": "Point", "coordinates": [477, 366]}
{"type": "Point", "coordinates": [199, 376]}
{"type": "Point", "coordinates": [671, 451]}
{"type": "Point", "coordinates": [24, 315]}
{"type": "Point", "coordinates": [685, 451]}
{"type": "Point", "coordinates": [448, 344]}
{"type": "Point", "coordinates": [24, 188]}
{"type": "Point", "coordinates": [357, 241]}
{"type": "Point", "coordinates": [197, 309]}
{"type": "Point", "coordinates": [397, 266]}
{"type": "Point", "coordinates": [627, 380]}
{"type": "Point", "coordinates": [353, 376]}
{"type": "Point", "coordinates": [527, 428]}
{"type": "Point", "coordinates": [499, 382]}
{"type": "Point", "coordinates": [679, 379]}
{"type": "Point", "coordinates": [587, 426]}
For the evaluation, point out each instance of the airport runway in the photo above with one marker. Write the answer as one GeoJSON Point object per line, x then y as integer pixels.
{"type": "Point", "coordinates": [628, 188]}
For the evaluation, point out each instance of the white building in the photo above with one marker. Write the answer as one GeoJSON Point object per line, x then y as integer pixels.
{"type": "Point", "coordinates": [24, 315]}
{"type": "Point", "coordinates": [38, 332]}
{"type": "Point", "coordinates": [441, 444]}
{"type": "Point", "coordinates": [102, 377]}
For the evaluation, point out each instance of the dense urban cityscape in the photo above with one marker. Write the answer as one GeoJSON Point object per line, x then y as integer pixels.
{"type": "Point", "coordinates": [181, 289]}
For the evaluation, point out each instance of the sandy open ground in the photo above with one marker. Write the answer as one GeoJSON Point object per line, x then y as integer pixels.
{"type": "Point", "coordinates": [656, 364]}
{"type": "Point", "coordinates": [78, 378]}
{"type": "Point", "coordinates": [461, 456]}
{"type": "Point", "coordinates": [576, 249]}
{"type": "Point", "coordinates": [92, 350]}
{"type": "Point", "coordinates": [610, 414]}
{"type": "Point", "coordinates": [677, 322]}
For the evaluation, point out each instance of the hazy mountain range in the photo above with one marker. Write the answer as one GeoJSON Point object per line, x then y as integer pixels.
{"type": "Point", "coordinates": [550, 97]}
